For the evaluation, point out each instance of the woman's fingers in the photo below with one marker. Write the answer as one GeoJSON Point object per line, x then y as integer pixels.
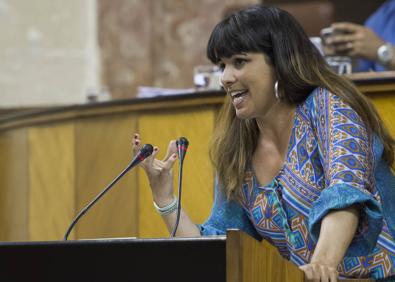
{"type": "Point", "coordinates": [333, 276]}
{"type": "Point", "coordinates": [319, 272]}
{"type": "Point", "coordinates": [308, 272]}
{"type": "Point", "coordinates": [168, 164]}
{"type": "Point", "coordinates": [151, 164]}
{"type": "Point", "coordinates": [150, 161]}
{"type": "Point", "coordinates": [136, 147]}
{"type": "Point", "coordinates": [171, 155]}
{"type": "Point", "coordinates": [171, 149]}
{"type": "Point", "coordinates": [136, 143]}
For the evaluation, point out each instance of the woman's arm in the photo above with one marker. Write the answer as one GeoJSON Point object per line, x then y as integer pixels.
{"type": "Point", "coordinates": [160, 177]}
{"type": "Point", "coordinates": [186, 228]}
{"type": "Point", "coordinates": [337, 231]}
{"type": "Point", "coordinates": [346, 201]}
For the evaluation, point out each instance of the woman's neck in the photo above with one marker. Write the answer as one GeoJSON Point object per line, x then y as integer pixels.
{"type": "Point", "coordinates": [276, 125]}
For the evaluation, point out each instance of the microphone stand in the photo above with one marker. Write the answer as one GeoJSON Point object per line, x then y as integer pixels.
{"type": "Point", "coordinates": [182, 144]}
{"type": "Point", "coordinates": [144, 153]}
{"type": "Point", "coordinates": [84, 210]}
{"type": "Point", "coordinates": [173, 233]}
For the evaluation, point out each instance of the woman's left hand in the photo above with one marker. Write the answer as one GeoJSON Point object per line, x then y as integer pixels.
{"type": "Point", "coordinates": [317, 272]}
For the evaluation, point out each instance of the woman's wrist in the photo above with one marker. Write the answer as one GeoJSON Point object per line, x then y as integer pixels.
{"type": "Point", "coordinates": [162, 194]}
{"type": "Point", "coordinates": [168, 209]}
{"type": "Point", "coordinates": [163, 201]}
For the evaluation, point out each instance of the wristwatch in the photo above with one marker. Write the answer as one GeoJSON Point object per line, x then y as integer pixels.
{"type": "Point", "coordinates": [385, 53]}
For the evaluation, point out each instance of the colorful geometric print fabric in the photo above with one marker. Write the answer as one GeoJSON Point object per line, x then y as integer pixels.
{"type": "Point", "coordinates": [329, 165]}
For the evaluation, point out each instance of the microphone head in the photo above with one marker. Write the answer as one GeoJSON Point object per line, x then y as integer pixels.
{"type": "Point", "coordinates": [146, 151]}
{"type": "Point", "coordinates": [183, 142]}
{"type": "Point", "coordinates": [182, 146]}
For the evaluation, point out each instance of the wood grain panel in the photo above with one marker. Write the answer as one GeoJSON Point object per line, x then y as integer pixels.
{"type": "Point", "coordinates": [62, 114]}
{"type": "Point", "coordinates": [249, 260]}
{"type": "Point", "coordinates": [158, 129]}
{"type": "Point", "coordinates": [103, 150]}
{"type": "Point", "coordinates": [385, 105]}
{"type": "Point", "coordinates": [14, 186]}
{"type": "Point", "coordinates": [51, 170]}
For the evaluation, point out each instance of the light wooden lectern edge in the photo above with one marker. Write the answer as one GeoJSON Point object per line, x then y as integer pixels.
{"type": "Point", "coordinates": [248, 260]}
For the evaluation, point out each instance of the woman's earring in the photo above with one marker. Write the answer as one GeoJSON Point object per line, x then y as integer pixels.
{"type": "Point", "coordinates": [220, 83]}
{"type": "Point", "coordinates": [276, 90]}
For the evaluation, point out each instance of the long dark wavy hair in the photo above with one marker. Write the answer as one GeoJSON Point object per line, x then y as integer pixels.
{"type": "Point", "coordinates": [299, 68]}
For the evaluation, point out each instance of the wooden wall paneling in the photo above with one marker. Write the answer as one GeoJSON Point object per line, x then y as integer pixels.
{"type": "Point", "coordinates": [196, 124]}
{"type": "Point", "coordinates": [52, 177]}
{"type": "Point", "coordinates": [385, 105]}
{"type": "Point", "coordinates": [14, 186]}
{"type": "Point", "coordinates": [250, 260]}
{"type": "Point", "coordinates": [103, 150]}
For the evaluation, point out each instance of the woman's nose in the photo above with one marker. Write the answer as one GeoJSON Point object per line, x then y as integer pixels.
{"type": "Point", "coordinates": [227, 77]}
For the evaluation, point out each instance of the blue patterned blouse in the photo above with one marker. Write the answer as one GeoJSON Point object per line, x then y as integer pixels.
{"type": "Point", "coordinates": [332, 163]}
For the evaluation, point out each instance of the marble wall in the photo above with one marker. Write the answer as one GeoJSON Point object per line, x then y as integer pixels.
{"type": "Point", "coordinates": [155, 42]}
{"type": "Point", "coordinates": [55, 52]}
{"type": "Point", "coordinates": [48, 52]}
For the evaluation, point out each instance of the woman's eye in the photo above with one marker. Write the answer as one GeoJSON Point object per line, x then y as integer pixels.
{"type": "Point", "coordinates": [239, 62]}
{"type": "Point", "coordinates": [221, 66]}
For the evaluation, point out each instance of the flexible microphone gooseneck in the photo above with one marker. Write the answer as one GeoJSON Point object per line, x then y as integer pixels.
{"type": "Point", "coordinates": [182, 147]}
{"type": "Point", "coordinates": [145, 152]}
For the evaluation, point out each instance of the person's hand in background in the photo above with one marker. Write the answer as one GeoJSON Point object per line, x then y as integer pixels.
{"type": "Point", "coordinates": [353, 40]}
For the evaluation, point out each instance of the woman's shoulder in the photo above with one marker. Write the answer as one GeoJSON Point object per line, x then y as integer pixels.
{"type": "Point", "coordinates": [320, 94]}
{"type": "Point", "coordinates": [317, 100]}
{"type": "Point", "coordinates": [323, 106]}
{"type": "Point", "coordinates": [322, 99]}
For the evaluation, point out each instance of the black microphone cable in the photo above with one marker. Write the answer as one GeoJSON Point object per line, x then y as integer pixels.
{"type": "Point", "coordinates": [145, 152]}
{"type": "Point", "coordinates": [182, 146]}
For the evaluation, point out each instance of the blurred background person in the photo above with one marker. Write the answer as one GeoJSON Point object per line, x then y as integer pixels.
{"type": "Point", "coordinates": [372, 44]}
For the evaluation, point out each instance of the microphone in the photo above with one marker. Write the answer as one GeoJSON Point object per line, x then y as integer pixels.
{"type": "Point", "coordinates": [144, 152]}
{"type": "Point", "coordinates": [182, 147]}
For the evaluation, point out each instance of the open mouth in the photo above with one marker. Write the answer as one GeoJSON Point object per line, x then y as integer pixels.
{"type": "Point", "coordinates": [238, 94]}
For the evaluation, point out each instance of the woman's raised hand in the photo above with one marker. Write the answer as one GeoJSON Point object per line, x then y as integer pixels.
{"type": "Point", "coordinates": [159, 172]}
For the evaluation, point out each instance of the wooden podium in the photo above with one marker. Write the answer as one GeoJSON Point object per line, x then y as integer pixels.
{"type": "Point", "coordinates": [232, 258]}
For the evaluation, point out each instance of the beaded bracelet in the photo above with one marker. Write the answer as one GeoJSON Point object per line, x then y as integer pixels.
{"type": "Point", "coordinates": [167, 209]}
